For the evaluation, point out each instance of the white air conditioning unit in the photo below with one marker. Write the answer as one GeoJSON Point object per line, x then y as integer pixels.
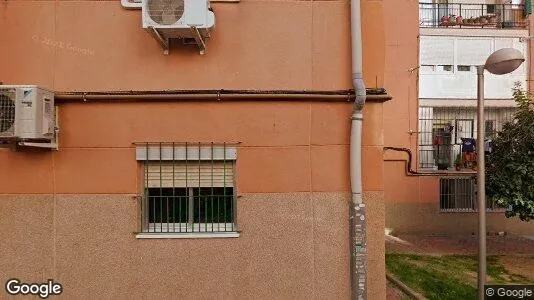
{"type": "Point", "coordinates": [190, 20]}
{"type": "Point", "coordinates": [26, 113]}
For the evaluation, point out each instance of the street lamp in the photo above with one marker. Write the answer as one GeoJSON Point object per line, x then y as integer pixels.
{"type": "Point", "coordinates": [500, 62]}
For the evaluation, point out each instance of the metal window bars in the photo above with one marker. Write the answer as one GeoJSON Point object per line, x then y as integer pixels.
{"type": "Point", "coordinates": [188, 187]}
{"type": "Point", "coordinates": [441, 130]}
{"type": "Point", "coordinates": [458, 194]}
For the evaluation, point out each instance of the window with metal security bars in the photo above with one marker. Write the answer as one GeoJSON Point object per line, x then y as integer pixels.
{"type": "Point", "coordinates": [440, 144]}
{"type": "Point", "coordinates": [458, 194]}
{"type": "Point", "coordinates": [187, 188]}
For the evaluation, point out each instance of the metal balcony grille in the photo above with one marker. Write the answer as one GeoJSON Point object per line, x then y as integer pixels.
{"type": "Point", "coordinates": [462, 15]}
{"type": "Point", "coordinates": [187, 187]}
{"type": "Point", "coordinates": [441, 130]}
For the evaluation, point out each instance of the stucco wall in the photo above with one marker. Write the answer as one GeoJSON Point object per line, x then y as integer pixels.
{"type": "Point", "coordinates": [97, 45]}
{"type": "Point", "coordinates": [87, 243]}
{"type": "Point", "coordinates": [304, 144]}
{"type": "Point", "coordinates": [71, 215]}
{"type": "Point", "coordinates": [292, 245]}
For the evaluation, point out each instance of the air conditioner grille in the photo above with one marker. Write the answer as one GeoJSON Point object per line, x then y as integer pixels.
{"type": "Point", "coordinates": [7, 112]}
{"type": "Point", "coordinates": [165, 12]}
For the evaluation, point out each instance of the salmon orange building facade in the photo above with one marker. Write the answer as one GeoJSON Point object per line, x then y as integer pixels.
{"type": "Point", "coordinates": [444, 41]}
{"type": "Point", "coordinates": [261, 123]}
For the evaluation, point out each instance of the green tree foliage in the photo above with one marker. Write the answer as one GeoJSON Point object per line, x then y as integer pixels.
{"type": "Point", "coordinates": [510, 166]}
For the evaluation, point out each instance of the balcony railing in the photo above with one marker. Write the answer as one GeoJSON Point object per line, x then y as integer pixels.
{"type": "Point", "coordinates": [442, 131]}
{"type": "Point", "coordinates": [460, 15]}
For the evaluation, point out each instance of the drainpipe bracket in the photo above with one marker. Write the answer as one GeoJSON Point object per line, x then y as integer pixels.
{"type": "Point", "coordinates": [359, 88]}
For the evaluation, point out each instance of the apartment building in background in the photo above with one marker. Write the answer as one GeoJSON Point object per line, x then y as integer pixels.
{"type": "Point", "coordinates": [454, 38]}
{"type": "Point", "coordinates": [181, 175]}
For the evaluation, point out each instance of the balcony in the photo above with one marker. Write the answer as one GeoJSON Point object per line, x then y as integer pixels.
{"type": "Point", "coordinates": [463, 15]}
{"type": "Point", "coordinates": [442, 131]}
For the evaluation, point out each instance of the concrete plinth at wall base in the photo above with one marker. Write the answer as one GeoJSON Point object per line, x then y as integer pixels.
{"type": "Point", "coordinates": [427, 219]}
{"type": "Point", "coordinates": [86, 242]}
{"type": "Point", "coordinates": [404, 288]}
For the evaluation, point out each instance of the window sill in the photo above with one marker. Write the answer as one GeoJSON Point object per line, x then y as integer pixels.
{"type": "Point", "coordinates": [185, 235]}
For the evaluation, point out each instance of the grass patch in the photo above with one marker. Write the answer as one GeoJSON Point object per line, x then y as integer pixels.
{"type": "Point", "coordinates": [448, 276]}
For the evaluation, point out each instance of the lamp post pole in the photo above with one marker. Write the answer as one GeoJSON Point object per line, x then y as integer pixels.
{"type": "Point", "coordinates": [500, 62]}
{"type": "Point", "coordinates": [481, 184]}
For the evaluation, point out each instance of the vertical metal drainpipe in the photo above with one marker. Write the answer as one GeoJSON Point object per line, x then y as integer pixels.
{"type": "Point", "coordinates": [357, 230]}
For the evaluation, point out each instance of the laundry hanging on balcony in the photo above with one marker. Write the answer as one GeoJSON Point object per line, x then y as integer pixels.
{"type": "Point", "coordinates": [528, 7]}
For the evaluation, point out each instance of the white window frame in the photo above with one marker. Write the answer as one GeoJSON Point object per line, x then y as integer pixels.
{"type": "Point", "coordinates": [191, 152]}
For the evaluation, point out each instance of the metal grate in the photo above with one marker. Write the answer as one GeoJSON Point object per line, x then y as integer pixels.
{"type": "Point", "coordinates": [458, 194]}
{"type": "Point", "coordinates": [7, 113]}
{"type": "Point", "coordinates": [469, 15]}
{"type": "Point", "coordinates": [188, 187]}
{"type": "Point", "coordinates": [441, 130]}
{"type": "Point", "coordinates": [165, 12]}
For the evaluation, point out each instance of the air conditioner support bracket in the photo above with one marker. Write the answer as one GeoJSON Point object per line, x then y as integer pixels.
{"type": "Point", "coordinates": [52, 144]}
{"type": "Point", "coordinates": [164, 42]}
{"type": "Point", "coordinates": [199, 40]}
{"type": "Point", "coordinates": [48, 141]}
{"type": "Point", "coordinates": [39, 145]}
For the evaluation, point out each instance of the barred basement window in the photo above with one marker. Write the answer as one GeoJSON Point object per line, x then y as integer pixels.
{"type": "Point", "coordinates": [458, 194]}
{"type": "Point", "coordinates": [187, 188]}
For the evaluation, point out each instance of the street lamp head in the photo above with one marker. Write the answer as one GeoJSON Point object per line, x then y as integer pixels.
{"type": "Point", "coordinates": [504, 61]}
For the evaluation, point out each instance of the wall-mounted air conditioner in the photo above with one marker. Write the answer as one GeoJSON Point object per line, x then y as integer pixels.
{"type": "Point", "coordinates": [27, 115]}
{"type": "Point", "coordinates": [190, 20]}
